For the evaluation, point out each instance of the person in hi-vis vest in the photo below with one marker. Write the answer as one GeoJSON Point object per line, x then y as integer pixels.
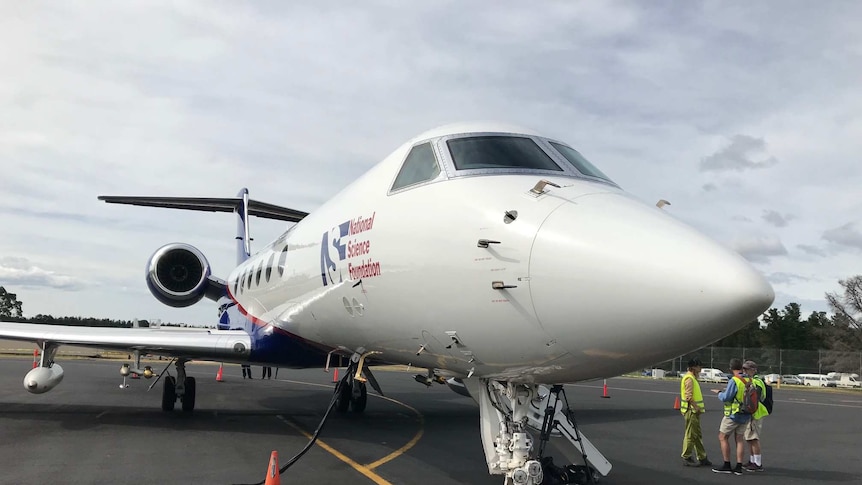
{"type": "Point", "coordinates": [691, 406]}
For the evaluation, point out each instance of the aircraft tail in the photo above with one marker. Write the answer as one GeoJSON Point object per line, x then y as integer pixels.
{"type": "Point", "coordinates": [241, 205]}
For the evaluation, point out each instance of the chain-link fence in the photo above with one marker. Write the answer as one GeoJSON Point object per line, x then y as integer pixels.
{"type": "Point", "coordinates": [772, 361]}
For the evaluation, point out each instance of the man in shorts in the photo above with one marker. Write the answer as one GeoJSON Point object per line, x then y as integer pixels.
{"type": "Point", "coordinates": [755, 425]}
{"type": "Point", "coordinates": [734, 421]}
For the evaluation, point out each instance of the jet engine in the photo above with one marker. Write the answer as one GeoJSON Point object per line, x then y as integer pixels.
{"type": "Point", "coordinates": [43, 379]}
{"type": "Point", "coordinates": [178, 275]}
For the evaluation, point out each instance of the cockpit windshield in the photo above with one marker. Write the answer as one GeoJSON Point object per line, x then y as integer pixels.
{"type": "Point", "coordinates": [578, 161]}
{"type": "Point", "coordinates": [495, 152]}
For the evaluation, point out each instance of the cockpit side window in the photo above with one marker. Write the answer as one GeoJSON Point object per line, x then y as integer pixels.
{"type": "Point", "coordinates": [578, 161]}
{"type": "Point", "coordinates": [419, 166]}
{"type": "Point", "coordinates": [490, 152]}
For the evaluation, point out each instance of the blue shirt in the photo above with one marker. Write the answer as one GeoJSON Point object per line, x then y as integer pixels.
{"type": "Point", "coordinates": [728, 395]}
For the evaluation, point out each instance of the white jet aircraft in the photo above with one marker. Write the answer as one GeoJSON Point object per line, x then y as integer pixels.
{"type": "Point", "coordinates": [500, 260]}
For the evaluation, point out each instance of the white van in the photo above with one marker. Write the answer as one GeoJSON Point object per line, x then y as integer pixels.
{"type": "Point", "coordinates": [849, 380]}
{"type": "Point", "coordinates": [712, 375]}
{"type": "Point", "coordinates": [818, 380]}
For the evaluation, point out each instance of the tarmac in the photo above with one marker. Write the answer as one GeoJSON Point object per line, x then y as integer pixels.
{"type": "Point", "coordinates": [89, 430]}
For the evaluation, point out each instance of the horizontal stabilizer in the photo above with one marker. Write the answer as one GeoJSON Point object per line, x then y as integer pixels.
{"type": "Point", "coordinates": [209, 204]}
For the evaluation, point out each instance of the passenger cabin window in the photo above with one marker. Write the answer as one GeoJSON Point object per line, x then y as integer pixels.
{"type": "Point", "coordinates": [507, 152]}
{"type": "Point", "coordinates": [282, 260]}
{"type": "Point", "coordinates": [420, 166]}
{"type": "Point", "coordinates": [578, 161]}
{"type": "Point", "coordinates": [269, 266]}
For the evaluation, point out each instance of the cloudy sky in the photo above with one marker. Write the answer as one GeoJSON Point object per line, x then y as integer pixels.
{"type": "Point", "coordinates": [746, 116]}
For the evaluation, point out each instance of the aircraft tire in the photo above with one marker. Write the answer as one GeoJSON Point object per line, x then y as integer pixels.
{"type": "Point", "coordinates": [189, 397]}
{"type": "Point", "coordinates": [342, 403]}
{"type": "Point", "coordinates": [169, 394]}
{"type": "Point", "coordinates": [358, 403]}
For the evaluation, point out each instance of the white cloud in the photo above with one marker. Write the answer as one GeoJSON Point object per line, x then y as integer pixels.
{"type": "Point", "coordinates": [739, 155]}
{"type": "Point", "coordinates": [847, 235]}
{"type": "Point", "coordinates": [20, 272]}
{"type": "Point", "coordinates": [777, 219]}
{"type": "Point", "coordinates": [784, 278]}
{"type": "Point", "coordinates": [759, 248]}
{"type": "Point", "coordinates": [809, 249]}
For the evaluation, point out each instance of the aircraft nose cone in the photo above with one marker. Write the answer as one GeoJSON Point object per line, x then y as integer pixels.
{"type": "Point", "coordinates": [611, 276]}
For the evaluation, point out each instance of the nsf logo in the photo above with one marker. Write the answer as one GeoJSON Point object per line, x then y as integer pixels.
{"type": "Point", "coordinates": [332, 251]}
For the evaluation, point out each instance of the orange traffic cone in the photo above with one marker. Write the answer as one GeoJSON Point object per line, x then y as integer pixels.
{"type": "Point", "coordinates": [335, 375]}
{"type": "Point", "coordinates": [676, 403]}
{"type": "Point", "coordinates": [219, 374]}
{"type": "Point", "coordinates": [272, 475]}
{"type": "Point", "coordinates": [35, 358]}
{"type": "Point", "coordinates": [605, 387]}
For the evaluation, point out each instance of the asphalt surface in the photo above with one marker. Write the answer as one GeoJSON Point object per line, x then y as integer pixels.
{"type": "Point", "coordinates": [88, 430]}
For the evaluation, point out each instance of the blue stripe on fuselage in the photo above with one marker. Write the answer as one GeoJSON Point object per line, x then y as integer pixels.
{"type": "Point", "coordinates": [269, 344]}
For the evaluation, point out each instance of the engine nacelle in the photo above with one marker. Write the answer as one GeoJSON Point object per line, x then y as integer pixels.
{"type": "Point", "coordinates": [43, 379]}
{"type": "Point", "coordinates": [178, 274]}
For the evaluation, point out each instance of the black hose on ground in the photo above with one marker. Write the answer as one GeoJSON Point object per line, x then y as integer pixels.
{"type": "Point", "coordinates": [335, 395]}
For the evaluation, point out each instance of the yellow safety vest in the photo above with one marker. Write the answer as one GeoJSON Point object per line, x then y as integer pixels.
{"type": "Point", "coordinates": [695, 394]}
{"type": "Point", "coordinates": [733, 407]}
{"type": "Point", "coordinates": [761, 409]}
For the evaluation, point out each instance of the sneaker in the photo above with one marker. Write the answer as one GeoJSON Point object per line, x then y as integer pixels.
{"type": "Point", "coordinates": [723, 469]}
{"type": "Point", "coordinates": [751, 467]}
{"type": "Point", "coordinates": [738, 469]}
{"type": "Point", "coordinates": [705, 462]}
{"type": "Point", "coordinates": [689, 462]}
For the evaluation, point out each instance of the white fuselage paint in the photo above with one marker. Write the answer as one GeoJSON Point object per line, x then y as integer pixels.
{"type": "Point", "coordinates": [604, 283]}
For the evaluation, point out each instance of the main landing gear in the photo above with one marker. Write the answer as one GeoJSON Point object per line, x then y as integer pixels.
{"type": "Point", "coordinates": [180, 388]}
{"type": "Point", "coordinates": [510, 415]}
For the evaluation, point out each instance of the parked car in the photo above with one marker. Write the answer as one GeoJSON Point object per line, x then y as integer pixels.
{"type": "Point", "coordinates": [725, 377]}
{"type": "Point", "coordinates": [791, 379]}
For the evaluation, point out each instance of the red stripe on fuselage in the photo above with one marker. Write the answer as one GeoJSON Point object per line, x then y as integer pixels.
{"type": "Point", "coordinates": [257, 321]}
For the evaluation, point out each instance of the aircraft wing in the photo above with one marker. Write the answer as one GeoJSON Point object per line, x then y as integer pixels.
{"type": "Point", "coordinates": [220, 345]}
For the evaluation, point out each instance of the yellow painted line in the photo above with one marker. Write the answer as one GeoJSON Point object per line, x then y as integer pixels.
{"type": "Point", "coordinates": [341, 456]}
{"type": "Point", "coordinates": [410, 444]}
{"type": "Point", "coordinates": [390, 456]}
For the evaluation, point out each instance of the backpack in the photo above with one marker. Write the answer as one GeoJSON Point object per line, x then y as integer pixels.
{"type": "Point", "coordinates": [750, 397]}
{"type": "Point", "coordinates": [767, 399]}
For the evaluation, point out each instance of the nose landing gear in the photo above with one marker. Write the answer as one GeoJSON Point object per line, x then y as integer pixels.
{"type": "Point", "coordinates": [353, 395]}
{"type": "Point", "coordinates": [509, 416]}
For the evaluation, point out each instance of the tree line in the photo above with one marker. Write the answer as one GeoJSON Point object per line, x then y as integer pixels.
{"type": "Point", "coordinates": [11, 310]}
{"type": "Point", "coordinates": [787, 329]}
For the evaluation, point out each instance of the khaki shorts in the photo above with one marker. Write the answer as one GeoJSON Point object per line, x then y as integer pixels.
{"type": "Point", "coordinates": [729, 426]}
{"type": "Point", "coordinates": [753, 429]}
